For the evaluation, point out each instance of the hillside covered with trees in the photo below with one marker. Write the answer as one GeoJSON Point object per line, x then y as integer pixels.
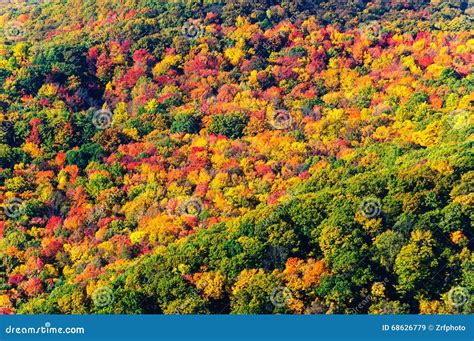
{"type": "Point", "coordinates": [237, 157]}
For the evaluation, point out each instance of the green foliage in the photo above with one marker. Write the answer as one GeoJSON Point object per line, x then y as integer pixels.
{"type": "Point", "coordinates": [186, 123]}
{"type": "Point", "coordinates": [231, 126]}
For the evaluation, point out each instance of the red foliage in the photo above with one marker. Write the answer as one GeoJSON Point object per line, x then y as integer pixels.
{"type": "Point", "coordinates": [15, 280]}
{"type": "Point", "coordinates": [33, 287]}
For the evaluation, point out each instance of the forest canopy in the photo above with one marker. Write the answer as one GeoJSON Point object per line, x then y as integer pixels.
{"type": "Point", "coordinates": [236, 157]}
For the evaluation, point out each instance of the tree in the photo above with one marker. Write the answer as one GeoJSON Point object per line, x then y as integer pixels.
{"type": "Point", "coordinates": [231, 125]}
{"type": "Point", "coordinates": [186, 123]}
{"type": "Point", "coordinates": [416, 263]}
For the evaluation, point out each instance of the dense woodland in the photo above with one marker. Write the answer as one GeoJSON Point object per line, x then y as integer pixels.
{"type": "Point", "coordinates": [238, 157]}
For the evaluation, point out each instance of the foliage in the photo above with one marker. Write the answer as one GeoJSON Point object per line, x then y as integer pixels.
{"type": "Point", "coordinates": [236, 157]}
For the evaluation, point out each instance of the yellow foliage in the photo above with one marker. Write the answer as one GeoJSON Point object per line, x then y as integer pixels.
{"type": "Point", "coordinates": [382, 133]}
{"type": "Point", "coordinates": [168, 61]}
{"type": "Point", "coordinates": [234, 55]}
{"type": "Point", "coordinates": [33, 149]}
{"type": "Point", "coordinates": [211, 284]}
{"type": "Point", "coordinates": [5, 302]}
{"type": "Point", "coordinates": [199, 141]}
{"type": "Point", "coordinates": [137, 236]}
{"type": "Point", "coordinates": [132, 132]}
{"type": "Point", "coordinates": [443, 167]}
{"type": "Point", "coordinates": [121, 113]}
{"type": "Point", "coordinates": [378, 289]}
{"type": "Point", "coordinates": [428, 137]}
{"type": "Point", "coordinates": [430, 307]}
{"type": "Point", "coordinates": [47, 90]}
{"type": "Point", "coordinates": [458, 237]}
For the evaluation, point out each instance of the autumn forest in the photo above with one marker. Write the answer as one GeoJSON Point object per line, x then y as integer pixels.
{"type": "Point", "coordinates": [236, 157]}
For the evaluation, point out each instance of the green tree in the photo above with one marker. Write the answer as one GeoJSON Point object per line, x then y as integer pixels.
{"type": "Point", "coordinates": [231, 125]}
{"type": "Point", "coordinates": [186, 123]}
{"type": "Point", "coordinates": [416, 263]}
